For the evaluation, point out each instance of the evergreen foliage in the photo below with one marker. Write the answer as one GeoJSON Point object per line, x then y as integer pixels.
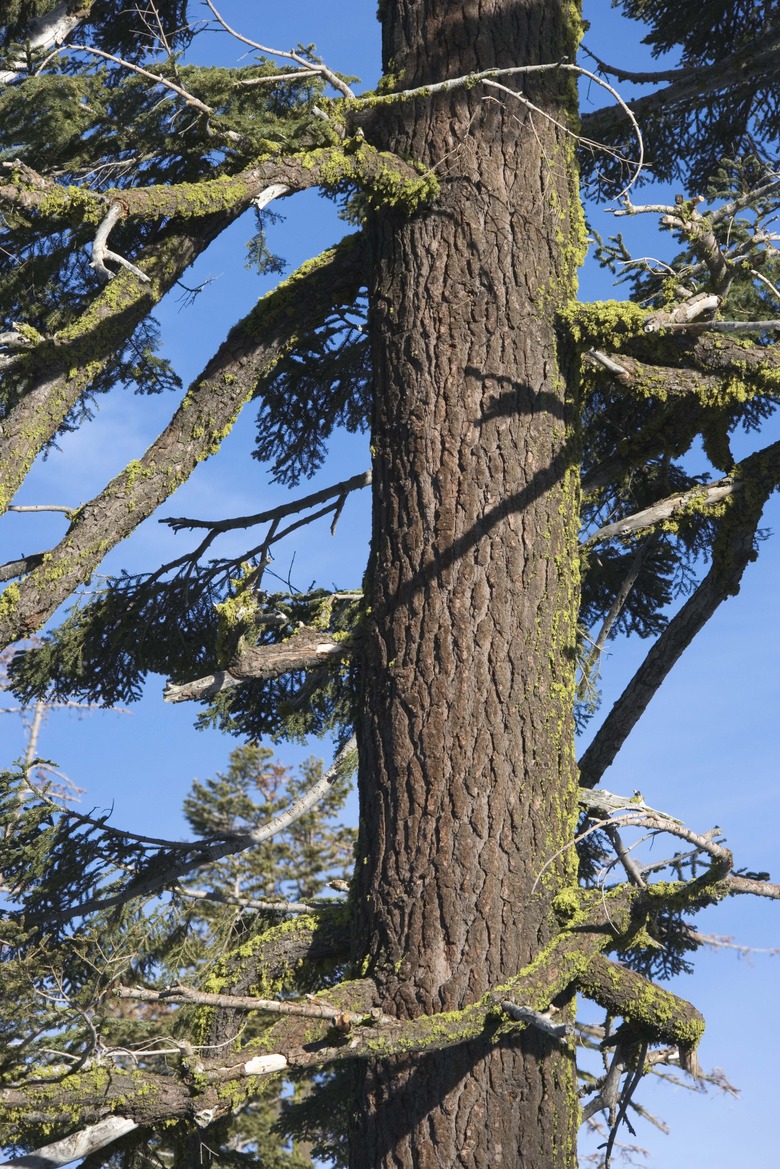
{"type": "Point", "coordinates": [89, 908]}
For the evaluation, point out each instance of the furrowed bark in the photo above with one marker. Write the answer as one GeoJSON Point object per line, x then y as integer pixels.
{"type": "Point", "coordinates": [196, 430]}
{"type": "Point", "coordinates": [466, 739]}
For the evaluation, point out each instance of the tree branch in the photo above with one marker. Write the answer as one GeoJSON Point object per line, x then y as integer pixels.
{"type": "Point", "coordinates": [700, 497]}
{"type": "Point", "coordinates": [743, 69]}
{"type": "Point", "coordinates": [734, 549]}
{"type": "Point", "coordinates": [307, 1010]}
{"type": "Point", "coordinates": [168, 867]}
{"type": "Point", "coordinates": [208, 410]}
{"type": "Point", "coordinates": [307, 649]}
{"type": "Point", "coordinates": [661, 1015]}
{"type": "Point", "coordinates": [74, 1148]}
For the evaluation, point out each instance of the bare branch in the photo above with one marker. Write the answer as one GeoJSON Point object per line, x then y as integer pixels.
{"type": "Point", "coordinates": [692, 87]}
{"type": "Point", "coordinates": [74, 1148]}
{"type": "Point", "coordinates": [264, 904]}
{"type": "Point", "coordinates": [737, 884]}
{"type": "Point", "coordinates": [488, 76]}
{"type": "Point", "coordinates": [101, 252]}
{"type": "Point", "coordinates": [189, 98]}
{"type": "Point", "coordinates": [42, 507]}
{"type": "Point", "coordinates": [589, 668]}
{"type": "Point", "coordinates": [13, 568]}
{"type": "Point", "coordinates": [311, 67]}
{"type": "Point", "coordinates": [307, 1010]}
{"type": "Point", "coordinates": [275, 513]}
{"type": "Point", "coordinates": [702, 496]}
{"type": "Point", "coordinates": [722, 326]}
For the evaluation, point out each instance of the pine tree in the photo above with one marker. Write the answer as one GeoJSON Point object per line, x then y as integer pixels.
{"type": "Point", "coordinates": [531, 500]}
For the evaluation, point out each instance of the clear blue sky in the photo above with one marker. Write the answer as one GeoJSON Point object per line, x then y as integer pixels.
{"type": "Point", "coordinates": [706, 750]}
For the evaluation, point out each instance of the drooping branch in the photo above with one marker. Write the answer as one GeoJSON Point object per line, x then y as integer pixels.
{"type": "Point", "coordinates": [663, 1016]}
{"type": "Point", "coordinates": [207, 412]}
{"type": "Point", "coordinates": [734, 549]}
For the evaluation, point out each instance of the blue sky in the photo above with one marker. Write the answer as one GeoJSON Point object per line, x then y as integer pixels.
{"type": "Point", "coordinates": [706, 750]}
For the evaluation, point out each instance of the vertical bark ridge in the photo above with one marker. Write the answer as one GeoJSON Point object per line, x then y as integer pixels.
{"type": "Point", "coordinates": [467, 764]}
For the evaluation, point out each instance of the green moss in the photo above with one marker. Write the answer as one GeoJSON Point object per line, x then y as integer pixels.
{"type": "Point", "coordinates": [74, 205]}
{"type": "Point", "coordinates": [567, 903]}
{"type": "Point", "coordinates": [375, 172]}
{"type": "Point", "coordinates": [9, 602]}
{"type": "Point", "coordinates": [603, 324]}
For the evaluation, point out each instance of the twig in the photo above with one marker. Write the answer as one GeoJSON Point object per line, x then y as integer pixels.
{"type": "Point", "coordinates": [189, 98]}
{"type": "Point", "coordinates": [312, 67]}
{"type": "Point", "coordinates": [41, 507]}
{"type": "Point", "coordinates": [185, 994]}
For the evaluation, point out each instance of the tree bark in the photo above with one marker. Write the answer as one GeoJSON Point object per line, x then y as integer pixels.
{"type": "Point", "coordinates": [467, 774]}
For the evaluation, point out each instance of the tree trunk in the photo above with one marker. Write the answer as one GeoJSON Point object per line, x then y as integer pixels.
{"type": "Point", "coordinates": [467, 777]}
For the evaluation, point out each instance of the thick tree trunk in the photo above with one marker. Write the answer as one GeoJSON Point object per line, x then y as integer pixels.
{"type": "Point", "coordinates": [468, 782]}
